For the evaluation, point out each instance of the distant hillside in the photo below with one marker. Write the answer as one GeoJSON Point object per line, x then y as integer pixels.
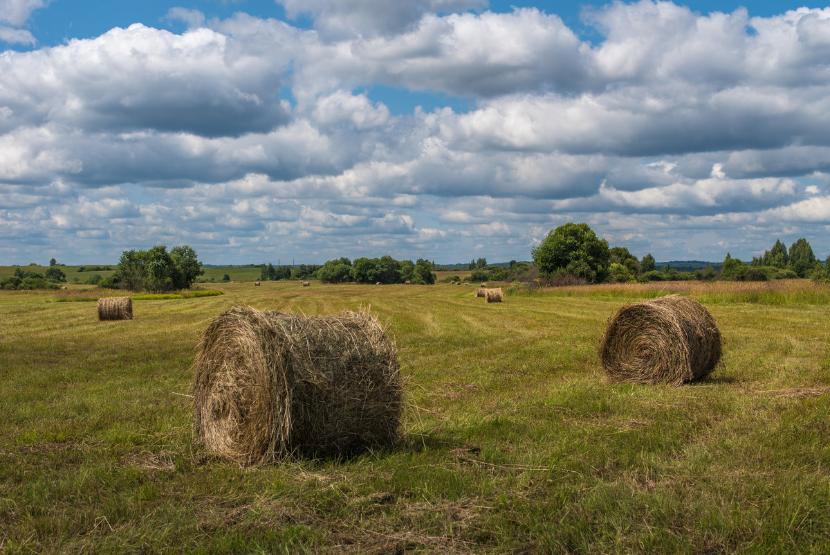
{"type": "Point", "coordinates": [688, 265]}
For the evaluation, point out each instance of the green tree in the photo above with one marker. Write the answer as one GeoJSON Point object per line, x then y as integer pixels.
{"type": "Point", "coordinates": [573, 249]}
{"type": "Point", "coordinates": [53, 262]}
{"type": "Point", "coordinates": [732, 268]}
{"type": "Point", "coordinates": [187, 266]}
{"type": "Point", "coordinates": [335, 271]}
{"type": "Point", "coordinates": [226, 277]}
{"type": "Point", "coordinates": [423, 274]}
{"type": "Point", "coordinates": [53, 273]}
{"type": "Point", "coordinates": [131, 272]}
{"type": "Point", "coordinates": [621, 255]}
{"type": "Point", "coordinates": [802, 259]}
{"type": "Point", "coordinates": [407, 271]}
{"type": "Point", "coordinates": [619, 273]}
{"type": "Point", "coordinates": [777, 256]}
{"type": "Point", "coordinates": [160, 270]}
{"type": "Point", "coordinates": [648, 264]}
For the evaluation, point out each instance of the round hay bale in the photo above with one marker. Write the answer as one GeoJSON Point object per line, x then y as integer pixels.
{"type": "Point", "coordinates": [115, 308]}
{"type": "Point", "coordinates": [481, 293]}
{"type": "Point", "coordinates": [494, 295]}
{"type": "Point", "coordinates": [671, 340]}
{"type": "Point", "coordinates": [269, 385]}
{"type": "Point", "coordinates": [257, 284]}
{"type": "Point", "coordinates": [306, 284]}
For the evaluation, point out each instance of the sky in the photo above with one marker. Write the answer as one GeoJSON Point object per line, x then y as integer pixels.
{"type": "Point", "coordinates": [272, 130]}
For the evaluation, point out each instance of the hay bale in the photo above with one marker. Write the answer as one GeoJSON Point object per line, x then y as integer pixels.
{"type": "Point", "coordinates": [269, 385]}
{"type": "Point", "coordinates": [115, 308]}
{"type": "Point", "coordinates": [671, 340]}
{"type": "Point", "coordinates": [306, 284]}
{"type": "Point", "coordinates": [481, 293]}
{"type": "Point", "coordinates": [494, 295]}
{"type": "Point", "coordinates": [257, 284]}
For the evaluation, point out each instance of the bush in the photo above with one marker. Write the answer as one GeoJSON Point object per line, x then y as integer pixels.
{"type": "Point", "coordinates": [226, 277]}
{"type": "Point", "coordinates": [618, 273]}
{"type": "Point", "coordinates": [53, 273]}
{"type": "Point", "coordinates": [94, 279]}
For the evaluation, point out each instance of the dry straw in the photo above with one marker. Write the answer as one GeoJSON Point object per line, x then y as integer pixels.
{"type": "Point", "coordinates": [671, 340]}
{"type": "Point", "coordinates": [494, 295]}
{"type": "Point", "coordinates": [306, 284]}
{"type": "Point", "coordinates": [269, 385]}
{"type": "Point", "coordinates": [481, 293]}
{"type": "Point", "coordinates": [115, 308]}
{"type": "Point", "coordinates": [257, 284]}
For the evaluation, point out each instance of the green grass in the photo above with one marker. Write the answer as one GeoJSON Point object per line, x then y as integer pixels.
{"type": "Point", "coordinates": [515, 442]}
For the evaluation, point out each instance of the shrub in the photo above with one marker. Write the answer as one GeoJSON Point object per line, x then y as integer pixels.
{"type": "Point", "coordinates": [53, 273]}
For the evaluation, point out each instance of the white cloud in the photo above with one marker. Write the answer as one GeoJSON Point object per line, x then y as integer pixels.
{"type": "Point", "coordinates": [17, 12]}
{"type": "Point", "coordinates": [343, 18]}
{"type": "Point", "coordinates": [265, 137]}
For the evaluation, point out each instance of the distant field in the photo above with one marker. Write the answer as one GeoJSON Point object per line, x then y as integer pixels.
{"type": "Point", "coordinates": [236, 273]}
{"type": "Point", "coordinates": [72, 273]}
{"type": "Point", "coordinates": [515, 441]}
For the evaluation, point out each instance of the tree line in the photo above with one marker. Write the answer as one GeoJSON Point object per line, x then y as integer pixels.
{"type": "Point", "coordinates": [574, 253]}
{"type": "Point", "coordinates": [377, 270]}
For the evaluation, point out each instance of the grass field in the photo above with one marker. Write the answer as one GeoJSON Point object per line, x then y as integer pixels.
{"type": "Point", "coordinates": [515, 441]}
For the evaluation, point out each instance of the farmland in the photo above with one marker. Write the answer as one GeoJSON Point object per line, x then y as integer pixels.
{"type": "Point", "coordinates": [513, 438]}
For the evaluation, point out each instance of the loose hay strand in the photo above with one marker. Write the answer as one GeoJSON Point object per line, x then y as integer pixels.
{"type": "Point", "coordinates": [115, 308]}
{"type": "Point", "coordinates": [671, 340]}
{"type": "Point", "coordinates": [268, 385]}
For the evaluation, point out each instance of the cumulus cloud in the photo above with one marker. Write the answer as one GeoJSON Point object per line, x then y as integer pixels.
{"type": "Point", "coordinates": [255, 136]}
{"type": "Point", "coordinates": [143, 78]}
{"type": "Point", "coordinates": [344, 18]}
{"type": "Point", "coordinates": [17, 12]}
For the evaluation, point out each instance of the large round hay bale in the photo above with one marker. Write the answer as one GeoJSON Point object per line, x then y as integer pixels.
{"type": "Point", "coordinates": [268, 385]}
{"type": "Point", "coordinates": [306, 284]}
{"type": "Point", "coordinates": [481, 293]}
{"type": "Point", "coordinates": [115, 308]}
{"type": "Point", "coordinates": [494, 295]}
{"type": "Point", "coordinates": [671, 340]}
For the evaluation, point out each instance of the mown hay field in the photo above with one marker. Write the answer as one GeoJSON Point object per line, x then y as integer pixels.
{"type": "Point", "coordinates": [514, 438]}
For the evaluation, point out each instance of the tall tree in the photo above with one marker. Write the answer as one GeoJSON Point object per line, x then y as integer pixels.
{"type": "Point", "coordinates": [573, 249]}
{"type": "Point", "coordinates": [648, 264]}
{"type": "Point", "coordinates": [802, 259]}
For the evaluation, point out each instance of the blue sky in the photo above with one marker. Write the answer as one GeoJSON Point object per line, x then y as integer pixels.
{"type": "Point", "coordinates": [259, 130]}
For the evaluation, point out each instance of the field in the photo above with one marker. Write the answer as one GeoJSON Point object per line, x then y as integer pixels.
{"type": "Point", "coordinates": [514, 439]}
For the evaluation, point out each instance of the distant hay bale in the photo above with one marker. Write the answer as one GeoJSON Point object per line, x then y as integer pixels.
{"type": "Point", "coordinates": [115, 308]}
{"type": "Point", "coordinates": [378, 283]}
{"type": "Point", "coordinates": [483, 286]}
{"type": "Point", "coordinates": [257, 284]}
{"type": "Point", "coordinates": [494, 295]}
{"type": "Point", "coordinates": [306, 284]}
{"type": "Point", "coordinates": [408, 282]}
{"type": "Point", "coordinates": [481, 293]}
{"type": "Point", "coordinates": [269, 385]}
{"type": "Point", "coordinates": [671, 340]}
